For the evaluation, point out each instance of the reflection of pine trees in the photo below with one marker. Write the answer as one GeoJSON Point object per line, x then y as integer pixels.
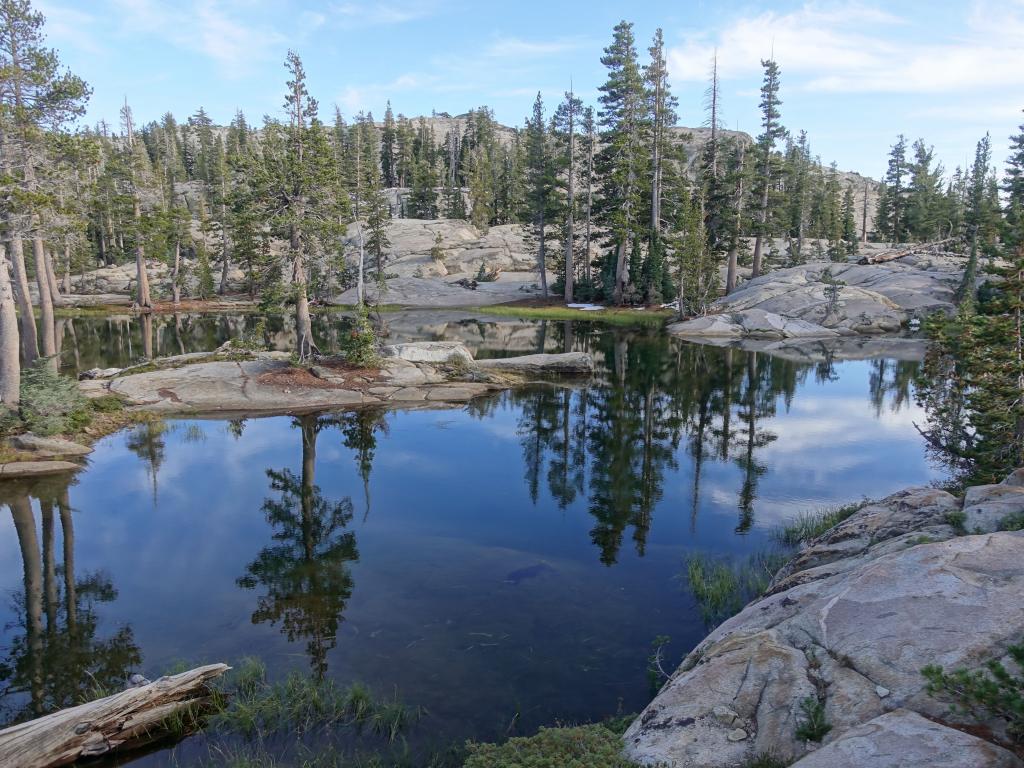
{"type": "Point", "coordinates": [305, 573]}
{"type": "Point", "coordinates": [892, 380]}
{"type": "Point", "coordinates": [616, 439]}
{"type": "Point", "coordinates": [58, 660]}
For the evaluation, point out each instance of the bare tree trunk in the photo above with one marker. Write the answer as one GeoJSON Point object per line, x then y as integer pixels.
{"type": "Point", "coordinates": [360, 281]}
{"type": "Point", "coordinates": [730, 275]}
{"type": "Point", "coordinates": [570, 227]}
{"type": "Point", "coordinates": [542, 257]}
{"type": "Point", "coordinates": [48, 343]}
{"type": "Point", "coordinates": [590, 202]}
{"type": "Point", "coordinates": [864, 217]}
{"type": "Point", "coordinates": [147, 336]}
{"type": "Point", "coordinates": [51, 278]}
{"type": "Point", "coordinates": [303, 322]}
{"type": "Point", "coordinates": [66, 280]}
{"type": "Point", "coordinates": [10, 359]}
{"type": "Point", "coordinates": [29, 340]}
{"type": "Point", "coordinates": [762, 220]}
{"type": "Point", "coordinates": [142, 298]}
{"type": "Point", "coordinates": [620, 272]}
{"type": "Point", "coordinates": [49, 564]}
{"type": "Point", "coordinates": [176, 273]}
{"type": "Point", "coordinates": [225, 247]}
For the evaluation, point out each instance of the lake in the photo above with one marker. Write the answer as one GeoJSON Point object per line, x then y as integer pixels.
{"type": "Point", "coordinates": [505, 565]}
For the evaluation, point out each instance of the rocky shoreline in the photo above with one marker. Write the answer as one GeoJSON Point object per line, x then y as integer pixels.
{"type": "Point", "coordinates": [919, 578]}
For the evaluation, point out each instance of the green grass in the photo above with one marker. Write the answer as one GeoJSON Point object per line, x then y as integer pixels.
{"type": "Point", "coordinates": [810, 525]}
{"type": "Point", "coordinates": [1012, 522]}
{"type": "Point", "coordinates": [301, 703]}
{"type": "Point", "coordinates": [723, 587]}
{"type": "Point", "coordinates": [613, 315]}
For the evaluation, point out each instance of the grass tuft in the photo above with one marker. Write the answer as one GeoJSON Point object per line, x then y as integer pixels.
{"type": "Point", "coordinates": [810, 525]}
{"type": "Point", "coordinates": [722, 587]}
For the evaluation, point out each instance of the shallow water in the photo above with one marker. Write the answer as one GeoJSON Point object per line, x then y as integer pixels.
{"type": "Point", "coordinates": [504, 565]}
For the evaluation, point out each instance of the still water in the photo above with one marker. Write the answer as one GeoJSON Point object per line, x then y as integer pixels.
{"type": "Point", "coordinates": [504, 565]}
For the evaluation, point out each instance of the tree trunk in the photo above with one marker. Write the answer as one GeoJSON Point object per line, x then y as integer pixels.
{"type": "Point", "coordinates": [29, 340]}
{"type": "Point", "coordinates": [51, 278]}
{"type": "Point", "coordinates": [225, 248]}
{"type": "Point", "coordinates": [590, 201]}
{"type": "Point", "coordinates": [142, 298]}
{"type": "Point", "coordinates": [730, 275]}
{"type": "Point", "coordinates": [360, 281]}
{"type": "Point", "coordinates": [303, 322]}
{"type": "Point", "coordinates": [620, 271]}
{"type": "Point", "coordinates": [542, 256]}
{"type": "Point", "coordinates": [570, 224]}
{"type": "Point", "coordinates": [10, 360]}
{"type": "Point", "coordinates": [49, 564]}
{"type": "Point", "coordinates": [48, 343]}
{"type": "Point", "coordinates": [66, 280]}
{"type": "Point", "coordinates": [127, 720]}
{"type": "Point", "coordinates": [175, 274]}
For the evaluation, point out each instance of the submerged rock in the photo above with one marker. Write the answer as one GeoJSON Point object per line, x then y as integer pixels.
{"type": "Point", "coordinates": [851, 621]}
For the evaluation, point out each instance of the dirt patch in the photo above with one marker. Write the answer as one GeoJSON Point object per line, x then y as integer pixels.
{"type": "Point", "coordinates": [341, 377]}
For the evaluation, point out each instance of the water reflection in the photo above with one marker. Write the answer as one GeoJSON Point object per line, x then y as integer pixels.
{"type": "Point", "coordinates": [55, 655]}
{"type": "Point", "coordinates": [513, 559]}
{"type": "Point", "coordinates": [305, 574]}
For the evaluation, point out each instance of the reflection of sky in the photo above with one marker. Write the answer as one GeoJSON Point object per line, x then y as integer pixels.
{"type": "Point", "coordinates": [450, 517]}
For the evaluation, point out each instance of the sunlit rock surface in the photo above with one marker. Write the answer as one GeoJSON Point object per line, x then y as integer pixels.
{"type": "Point", "coordinates": [851, 621]}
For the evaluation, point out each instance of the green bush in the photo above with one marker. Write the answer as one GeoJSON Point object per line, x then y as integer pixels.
{"type": "Point", "coordinates": [993, 691]}
{"type": "Point", "coordinates": [814, 725]}
{"type": "Point", "coordinates": [51, 403]}
{"type": "Point", "coordinates": [587, 746]}
{"type": "Point", "coordinates": [359, 344]}
{"type": "Point", "coordinates": [956, 520]}
{"type": "Point", "coordinates": [1012, 522]}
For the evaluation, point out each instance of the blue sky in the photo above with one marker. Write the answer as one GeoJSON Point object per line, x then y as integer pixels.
{"type": "Point", "coordinates": [854, 74]}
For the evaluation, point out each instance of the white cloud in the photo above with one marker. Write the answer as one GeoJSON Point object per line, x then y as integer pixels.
{"type": "Point", "coordinates": [216, 29]}
{"type": "Point", "coordinates": [517, 48]}
{"type": "Point", "coordinates": [352, 14]}
{"type": "Point", "coordinates": [850, 48]}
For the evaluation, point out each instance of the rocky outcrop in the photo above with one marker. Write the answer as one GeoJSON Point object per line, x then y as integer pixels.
{"type": "Point", "coordinates": [850, 623]}
{"type": "Point", "coordinates": [48, 447]}
{"type": "Point", "coordinates": [794, 302]}
{"type": "Point", "coordinates": [17, 469]}
{"type": "Point", "coordinates": [446, 292]}
{"type": "Point", "coordinates": [408, 374]}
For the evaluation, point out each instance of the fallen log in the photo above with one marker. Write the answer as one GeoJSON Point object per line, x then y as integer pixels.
{"type": "Point", "coordinates": [126, 720]}
{"type": "Point", "coordinates": [884, 256]}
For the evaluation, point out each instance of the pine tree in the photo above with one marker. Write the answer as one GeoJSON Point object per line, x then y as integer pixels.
{"type": "Point", "coordinates": [565, 124]}
{"type": "Point", "coordinates": [772, 132]}
{"type": "Point", "coordinates": [388, 145]}
{"type": "Point", "coordinates": [1013, 187]}
{"type": "Point", "coordinates": [849, 226]}
{"type": "Point", "coordinates": [890, 221]}
{"type": "Point", "coordinates": [541, 183]}
{"type": "Point", "coordinates": [622, 162]}
{"type": "Point", "coordinates": [36, 97]}
{"type": "Point", "coordinates": [924, 195]}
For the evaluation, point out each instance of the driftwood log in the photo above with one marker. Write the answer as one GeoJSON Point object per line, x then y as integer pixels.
{"type": "Point", "coordinates": [884, 256]}
{"type": "Point", "coordinates": [126, 720]}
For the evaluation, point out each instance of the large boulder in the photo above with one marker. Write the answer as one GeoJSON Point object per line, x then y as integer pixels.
{"type": "Point", "coordinates": [850, 622]}
{"type": "Point", "coordinates": [568, 363]}
{"type": "Point", "coordinates": [904, 739]}
{"type": "Point", "coordinates": [871, 299]}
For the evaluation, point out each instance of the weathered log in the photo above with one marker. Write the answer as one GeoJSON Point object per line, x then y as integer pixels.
{"type": "Point", "coordinates": [126, 720]}
{"type": "Point", "coordinates": [884, 256]}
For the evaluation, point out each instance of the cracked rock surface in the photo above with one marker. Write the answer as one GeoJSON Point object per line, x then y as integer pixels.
{"type": "Point", "coordinates": [851, 621]}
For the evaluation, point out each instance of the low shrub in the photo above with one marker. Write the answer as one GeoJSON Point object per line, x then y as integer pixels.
{"type": "Point", "coordinates": [956, 520]}
{"type": "Point", "coordinates": [814, 725]}
{"type": "Point", "coordinates": [993, 691]}
{"type": "Point", "coordinates": [359, 343]}
{"type": "Point", "coordinates": [1012, 522]}
{"type": "Point", "coordinates": [51, 403]}
{"type": "Point", "coordinates": [586, 746]}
